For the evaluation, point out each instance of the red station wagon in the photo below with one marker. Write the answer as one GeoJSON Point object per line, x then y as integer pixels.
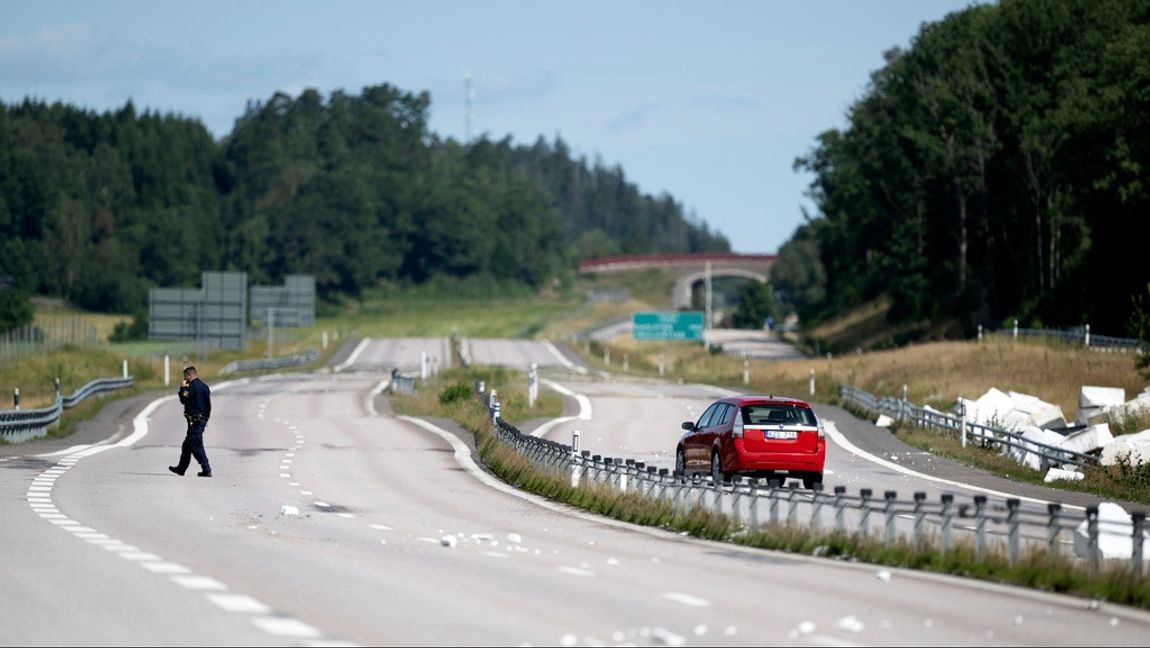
{"type": "Point", "coordinates": [757, 436]}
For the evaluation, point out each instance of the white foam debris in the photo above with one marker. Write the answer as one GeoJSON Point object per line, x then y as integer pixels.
{"type": "Point", "coordinates": [568, 640]}
{"type": "Point", "coordinates": [482, 537]}
{"type": "Point", "coordinates": [287, 509]}
{"type": "Point", "coordinates": [884, 421]}
{"type": "Point", "coordinates": [883, 575]}
{"type": "Point", "coordinates": [514, 537]}
{"type": "Point", "coordinates": [448, 541]}
{"type": "Point", "coordinates": [730, 631]}
{"type": "Point", "coordinates": [1115, 533]}
{"type": "Point", "coordinates": [1055, 474]}
{"type": "Point", "coordinates": [1089, 439]}
{"type": "Point", "coordinates": [806, 627]}
{"type": "Point", "coordinates": [1131, 448]}
{"type": "Point", "coordinates": [700, 630]}
{"type": "Point", "coordinates": [612, 561]}
{"type": "Point", "coordinates": [665, 637]}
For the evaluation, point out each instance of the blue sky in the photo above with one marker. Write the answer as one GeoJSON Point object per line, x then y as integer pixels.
{"type": "Point", "coordinates": [710, 102]}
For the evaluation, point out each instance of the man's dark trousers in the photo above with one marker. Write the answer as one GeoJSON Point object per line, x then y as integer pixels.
{"type": "Point", "coordinates": [194, 445]}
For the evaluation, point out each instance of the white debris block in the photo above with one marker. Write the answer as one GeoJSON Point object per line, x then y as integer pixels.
{"type": "Point", "coordinates": [991, 408]}
{"type": "Point", "coordinates": [1115, 533]}
{"type": "Point", "coordinates": [1135, 448]}
{"type": "Point", "coordinates": [1058, 473]}
{"type": "Point", "coordinates": [1034, 456]}
{"type": "Point", "coordinates": [884, 421]}
{"type": "Point", "coordinates": [1091, 396]}
{"type": "Point", "coordinates": [1038, 412]}
{"type": "Point", "coordinates": [1088, 439]}
{"type": "Point", "coordinates": [448, 541]}
{"type": "Point", "coordinates": [289, 510]}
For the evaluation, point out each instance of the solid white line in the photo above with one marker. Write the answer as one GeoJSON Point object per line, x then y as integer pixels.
{"type": "Point", "coordinates": [562, 359]}
{"type": "Point", "coordinates": [575, 571]}
{"type": "Point", "coordinates": [369, 401]}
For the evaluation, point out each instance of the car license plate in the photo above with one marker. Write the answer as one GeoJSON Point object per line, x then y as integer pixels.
{"type": "Point", "coordinates": [782, 434]}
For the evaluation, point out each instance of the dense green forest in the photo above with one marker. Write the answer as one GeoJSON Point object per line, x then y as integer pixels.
{"type": "Point", "coordinates": [97, 208]}
{"type": "Point", "coordinates": [998, 168]}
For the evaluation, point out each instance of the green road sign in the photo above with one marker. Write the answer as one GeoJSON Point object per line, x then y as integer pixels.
{"type": "Point", "coordinates": [667, 325]}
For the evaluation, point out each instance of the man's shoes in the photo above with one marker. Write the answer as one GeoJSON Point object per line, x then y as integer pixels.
{"type": "Point", "coordinates": [175, 470]}
{"type": "Point", "coordinates": [204, 473]}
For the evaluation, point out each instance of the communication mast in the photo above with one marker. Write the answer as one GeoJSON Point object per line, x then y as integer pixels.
{"type": "Point", "coordinates": [467, 96]}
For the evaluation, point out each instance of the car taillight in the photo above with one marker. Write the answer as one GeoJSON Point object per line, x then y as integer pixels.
{"type": "Point", "coordinates": [737, 428]}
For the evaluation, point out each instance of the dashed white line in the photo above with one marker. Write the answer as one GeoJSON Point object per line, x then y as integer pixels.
{"type": "Point", "coordinates": [194, 582]}
{"type": "Point", "coordinates": [687, 599]}
{"type": "Point", "coordinates": [239, 603]}
{"type": "Point", "coordinates": [281, 627]}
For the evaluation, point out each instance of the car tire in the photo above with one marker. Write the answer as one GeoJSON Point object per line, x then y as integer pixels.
{"type": "Point", "coordinates": [717, 473]}
{"type": "Point", "coordinates": [810, 480]}
{"type": "Point", "coordinates": [680, 462]}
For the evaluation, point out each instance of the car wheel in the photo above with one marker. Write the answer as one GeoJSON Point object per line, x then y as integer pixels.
{"type": "Point", "coordinates": [810, 480]}
{"type": "Point", "coordinates": [717, 473]}
{"type": "Point", "coordinates": [680, 462]}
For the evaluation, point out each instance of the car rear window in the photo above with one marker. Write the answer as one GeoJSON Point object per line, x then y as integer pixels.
{"type": "Point", "coordinates": [778, 415]}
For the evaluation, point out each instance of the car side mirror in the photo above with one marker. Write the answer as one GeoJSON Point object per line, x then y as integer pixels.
{"type": "Point", "coordinates": [689, 426]}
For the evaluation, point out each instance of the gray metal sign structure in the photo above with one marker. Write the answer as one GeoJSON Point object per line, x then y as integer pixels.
{"type": "Point", "coordinates": [292, 304]}
{"type": "Point", "coordinates": [214, 314]}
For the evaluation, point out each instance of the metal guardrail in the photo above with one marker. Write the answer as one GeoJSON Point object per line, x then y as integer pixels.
{"type": "Point", "coordinates": [1079, 335]}
{"type": "Point", "coordinates": [903, 412]}
{"type": "Point", "coordinates": [987, 525]}
{"type": "Point", "coordinates": [401, 384]}
{"type": "Point", "coordinates": [266, 364]}
{"type": "Point", "coordinates": [17, 426]}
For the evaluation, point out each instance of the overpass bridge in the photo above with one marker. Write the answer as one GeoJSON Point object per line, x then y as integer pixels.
{"type": "Point", "coordinates": [688, 268]}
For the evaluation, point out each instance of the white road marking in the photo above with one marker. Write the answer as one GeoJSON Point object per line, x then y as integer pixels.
{"type": "Point", "coordinates": [282, 627]}
{"type": "Point", "coordinates": [575, 571]}
{"type": "Point", "coordinates": [165, 568]}
{"type": "Point", "coordinates": [194, 582]}
{"type": "Point", "coordinates": [239, 603]}
{"type": "Point", "coordinates": [352, 358]}
{"type": "Point", "coordinates": [687, 599]}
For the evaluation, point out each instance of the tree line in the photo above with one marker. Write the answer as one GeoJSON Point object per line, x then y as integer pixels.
{"type": "Point", "coordinates": [998, 168]}
{"type": "Point", "coordinates": [356, 190]}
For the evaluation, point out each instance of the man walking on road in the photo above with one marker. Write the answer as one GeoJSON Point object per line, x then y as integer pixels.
{"type": "Point", "coordinates": [197, 400]}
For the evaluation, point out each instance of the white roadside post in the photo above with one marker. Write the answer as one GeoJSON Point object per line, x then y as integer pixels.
{"type": "Point", "coordinates": [323, 340]}
{"type": "Point", "coordinates": [575, 468]}
{"type": "Point", "coordinates": [626, 362]}
{"type": "Point", "coordinates": [532, 385]}
{"type": "Point", "coordinates": [423, 365]}
{"type": "Point", "coordinates": [125, 367]}
{"type": "Point", "coordinates": [746, 370]}
{"type": "Point", "coordinates": [167, 370]}
{"type": "Point", "coordinates": [662, 363]}
{"type": "Point", "coordinates": [812, 382]}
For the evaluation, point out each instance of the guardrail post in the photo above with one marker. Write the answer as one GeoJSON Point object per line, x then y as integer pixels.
{"type": "Point", "coordinates": [718, 484]}
{"type": "Point", "coordinates": [902, 406]}
{"type": "Point", "coordinates": [736, 495]}
{"type": "Point", "coordinates": [1138, 518]}
{"type": "Point", "coordinates": [947, 500]}
{"type": "Point", "coordinates": [754, 505]}
{"type": "Point", "coordinates": [980, 526]}
{"type": "Point", "coordinates": [864, 511]}
{"type": "Point", "coordinates": [16, 398]}
{"type": "Point", "coordinates": [840, 523]}
{"type": "Point", "coordinates": [919, 498]}
{"type": "Point", "coordinates": [774, 508]}
{"type": "Point", "coordinates": [56, 382]}
{"type": "Point", "coordinates": [1086, 337]}
{"type": "Point", "coordinates": [698, 485]}
{"type": "Point", "coordinates": [792, 504]}
{"type": "Point", "coordinates": [676, 490]}
{"type": "Point", "coordinates": [1092, 536]}
{"type": "Point", "coordinates": [1052, 528]}
{"type": "Point", "coordinates": [817, 492]}
{"type": "Point", "coordinates": [962, 422]}
{"type": "Point", "coordinates": [890, 497]}
{"type": "Point", "coordinates": [1013, 524]}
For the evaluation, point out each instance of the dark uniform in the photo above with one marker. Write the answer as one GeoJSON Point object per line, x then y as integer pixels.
{"type": "Point", "coordinates": [197, 400]}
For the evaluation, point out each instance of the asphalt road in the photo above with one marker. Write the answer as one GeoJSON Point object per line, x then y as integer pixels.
{"type": "Point", "coordinates": [330, 521]}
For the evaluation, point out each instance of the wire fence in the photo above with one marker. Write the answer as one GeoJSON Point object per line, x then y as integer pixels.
{"type": "Point", "coordinates": [47, 334]}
